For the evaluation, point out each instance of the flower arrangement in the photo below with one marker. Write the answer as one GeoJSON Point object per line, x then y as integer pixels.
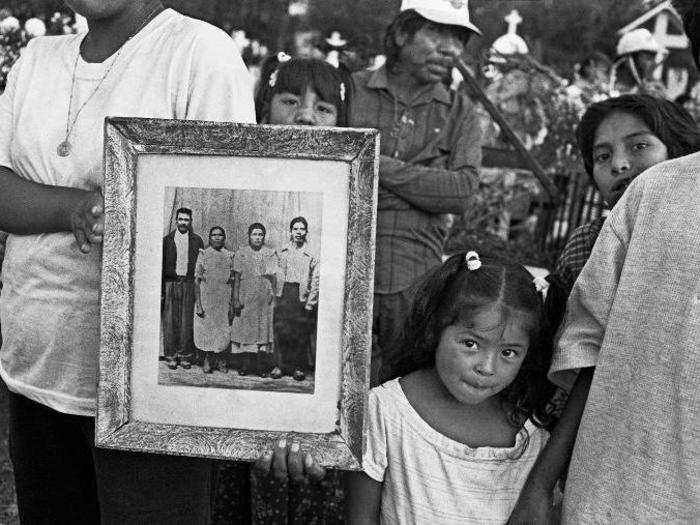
{"type": "Point", "coordinates": [14, 37]}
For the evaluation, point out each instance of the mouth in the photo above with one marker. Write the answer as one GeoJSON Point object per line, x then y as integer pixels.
{"type": "Point", "coordinates": [477, 386]}
{"type": "Point", "coordinates": [621, 185]}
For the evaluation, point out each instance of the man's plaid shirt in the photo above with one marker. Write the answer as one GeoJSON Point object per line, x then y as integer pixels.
{"type": "Point", "coordinates": [430, 156]}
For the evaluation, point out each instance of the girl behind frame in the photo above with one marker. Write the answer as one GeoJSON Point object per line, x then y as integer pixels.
{"type": "Point", "coordinates": [287, 485]}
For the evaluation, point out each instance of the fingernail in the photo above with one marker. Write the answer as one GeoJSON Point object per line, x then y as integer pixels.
{"type": "Point", "coordinates": [295, 447]}
{"type": "Point", "coordinates": [282, 443]}
{"type": "Point", "coordinates": [95, 210]}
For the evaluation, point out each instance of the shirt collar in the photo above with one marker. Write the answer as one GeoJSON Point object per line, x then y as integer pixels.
{"type": "Point", "coordinates": [181, 235]}
{"type": "Point", "coordinates": [379, 80]}
{"type": "Point", "coordinates": [291, 247]}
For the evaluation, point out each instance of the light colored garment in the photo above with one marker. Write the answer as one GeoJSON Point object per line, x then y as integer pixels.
{"type": "Point", "coordinates": [213, 271]}
{"type": "Point", "coordinates": [176, 67]}
{"type": "Point", "coordinates": [258, 270]}
{"type": "Point", "coordinates": [182, 245]}
{"type": "Point", "coordinates": [430, 478]}
{"type": "Point", "coordinates": [634, 314]}
{"type": "Point", "coordinates": [300, 266]}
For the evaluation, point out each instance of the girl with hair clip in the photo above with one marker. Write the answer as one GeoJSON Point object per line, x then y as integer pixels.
{"type": "Point", "coordinates": [287, 485]}
{"type": "Point", "coordinates": [453, 436]}
{"type": "Point", "coordinates": [303, 91]}
{"type": "Point", "coordinates": [618, 138]}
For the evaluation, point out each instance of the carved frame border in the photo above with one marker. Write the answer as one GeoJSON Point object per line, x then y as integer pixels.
{"type": "Point", "coordinates": [125, 140]}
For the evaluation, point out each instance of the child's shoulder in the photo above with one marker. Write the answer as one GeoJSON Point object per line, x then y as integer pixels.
{"type": "Point", "coordinates": [387, 395]}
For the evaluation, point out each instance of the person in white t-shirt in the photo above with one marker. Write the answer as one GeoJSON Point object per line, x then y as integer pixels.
{"type": "Point", "coordinates": [452, 438]}
{"type": "Point", "coordinates": [139, 60]}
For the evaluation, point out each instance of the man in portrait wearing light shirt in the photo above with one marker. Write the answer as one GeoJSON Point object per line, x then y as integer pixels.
{"type": "Point", "coordinates": [180, 250]}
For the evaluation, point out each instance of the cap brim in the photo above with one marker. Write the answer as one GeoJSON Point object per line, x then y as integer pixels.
{"type": "Point", "coordinates": [440, 17]}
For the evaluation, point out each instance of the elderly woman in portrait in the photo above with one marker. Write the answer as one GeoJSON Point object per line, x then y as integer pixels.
{"type": "Point", "coordinates": [255, 270]}
{"type": "Point", "coordinates": [296, 305]}
{"type": "Point", "coordinates": [213, 281]}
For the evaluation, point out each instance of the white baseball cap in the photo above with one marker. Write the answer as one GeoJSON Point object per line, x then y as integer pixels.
{"type": "Point", "coordinates": [449, 12]}
{"type": "Point", "coordinates": [638, 40]}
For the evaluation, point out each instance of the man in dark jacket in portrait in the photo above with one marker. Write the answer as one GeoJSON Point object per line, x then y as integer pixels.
{"type": "Point", "coordinates": [430, 152]}
{"type": "Point", "coordinates": [180, 250]}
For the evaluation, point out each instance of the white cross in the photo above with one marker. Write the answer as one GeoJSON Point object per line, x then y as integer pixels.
{"type": "Point", "coordinates": [513, 19]}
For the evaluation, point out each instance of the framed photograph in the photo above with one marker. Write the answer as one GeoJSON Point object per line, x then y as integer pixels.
{"type": "Point", "coordinates": [237, 288]}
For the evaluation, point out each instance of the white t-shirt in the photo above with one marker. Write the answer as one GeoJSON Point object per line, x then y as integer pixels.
{"type": "Point", "coordinates": [175, 67]}
{"type": "Point", "coordinates": [430, 478]}
{"type": "Point", "coordinates": [634, 314]}
{"type": "Point", "coordinates": [182, 244]}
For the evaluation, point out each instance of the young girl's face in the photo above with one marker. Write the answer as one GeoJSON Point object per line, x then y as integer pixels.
{"type": "Point", "coordinates": [298, 232]}
{"type": "Point", "coordinates": [256, 238]}
{"type": "Point", "coordinates": [216, 239]}
{"type": "Point", "coordinates": [478, 359]}
{"type": "Point", "coordinates": [306, 109]}
{"type": "Point", "coordinates": [623, 147]}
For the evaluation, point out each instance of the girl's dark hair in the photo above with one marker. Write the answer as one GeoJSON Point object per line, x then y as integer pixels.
{"type": "Point", "coordinates": [409, 22]}
{"type": "Point", "coordinates": [217, 228]}
{"type": "Point", "coordinates": [256, 226]}
{"type": "Point", "coordinates": [670, 122]}
{"type": "Point", "coordinates": [298, 219]}
{"type": "Point", "coordinates": [451, 293]}
{"type": "Point", "coordinates": [332, 85]}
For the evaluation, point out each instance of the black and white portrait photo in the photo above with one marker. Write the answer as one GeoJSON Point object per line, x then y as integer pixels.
{"type": "Point", "coordinates": [240, 288]}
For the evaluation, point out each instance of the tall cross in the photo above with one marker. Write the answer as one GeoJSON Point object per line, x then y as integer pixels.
{"type": "Point", "coordinates": [513, 19]}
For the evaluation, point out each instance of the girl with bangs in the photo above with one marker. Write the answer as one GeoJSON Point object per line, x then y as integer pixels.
{"type": "Point", "coordinates": [287, 485]}
{"type": "Point", "coordinates": [452, 438]}
{"type": "Point", "coordinates": [303, 91]}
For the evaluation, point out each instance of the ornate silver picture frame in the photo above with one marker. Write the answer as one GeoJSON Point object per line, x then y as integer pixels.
{"type": "Point", "coordinates": [242, 175]}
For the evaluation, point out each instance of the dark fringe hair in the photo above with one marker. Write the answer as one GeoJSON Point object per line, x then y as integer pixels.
{"type": "Point", "coordinates": [217, 228]}
{"type": "Point", "coordinates": [257, 226]}
{"type": "Point", "coordinates": [296, 75]}
{"type": "Point", "coordinates": [670, 122]}
{"type": "Point", "coordinates": [450, 293]}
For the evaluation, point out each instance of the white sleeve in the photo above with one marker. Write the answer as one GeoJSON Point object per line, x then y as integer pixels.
{"type": "Point", "coordinates": [588, 307]}
{"type": "Point", "coordinates": [220, 87]}
{"type": "Point", "coordinates": [374, 460]}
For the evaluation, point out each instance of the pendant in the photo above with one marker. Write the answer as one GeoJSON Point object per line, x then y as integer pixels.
{"type": "Point", "coordinates": [63, 149]}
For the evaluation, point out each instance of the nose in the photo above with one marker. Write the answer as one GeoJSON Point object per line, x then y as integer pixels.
{"type": "Point", "coordinates": [620, 163]}
{"type": "Point", "coordinates": [486, 366]}
{"type": "Point", "coordinates": [305, 115]}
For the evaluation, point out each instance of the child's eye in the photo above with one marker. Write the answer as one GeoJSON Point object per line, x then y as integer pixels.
{"type": "Point", "coordinates": [289, 100]}
{"type": "Point", "coordinates": [326, 109]}
{"type": "Point", "coordinates": [509, 353]}
{"type": "Point", "coordinates": [641, 145]}
{"type": "Point", "coordinates": [470, 343]}
{"type": "Point", "coordinates": [601, 157]}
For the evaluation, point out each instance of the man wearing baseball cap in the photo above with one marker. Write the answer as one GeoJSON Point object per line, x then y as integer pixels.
{"type": "Point", "coordinates": [430, 152]}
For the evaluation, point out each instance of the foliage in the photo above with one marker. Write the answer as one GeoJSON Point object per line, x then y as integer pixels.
{"type": "Point", "coordinates": [11, 45]}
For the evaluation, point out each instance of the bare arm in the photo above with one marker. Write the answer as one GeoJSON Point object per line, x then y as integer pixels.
{"type": "Point", "coordinates": [236, 292]}
{"type": "Point", "coordinates": [364, 499]}
{"type": "Point", "coordinates": [198, 298]}
{"type": "Point", "coordinates": [30, 208]}
{"type": "Point", "coordinates": [535, 501]}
